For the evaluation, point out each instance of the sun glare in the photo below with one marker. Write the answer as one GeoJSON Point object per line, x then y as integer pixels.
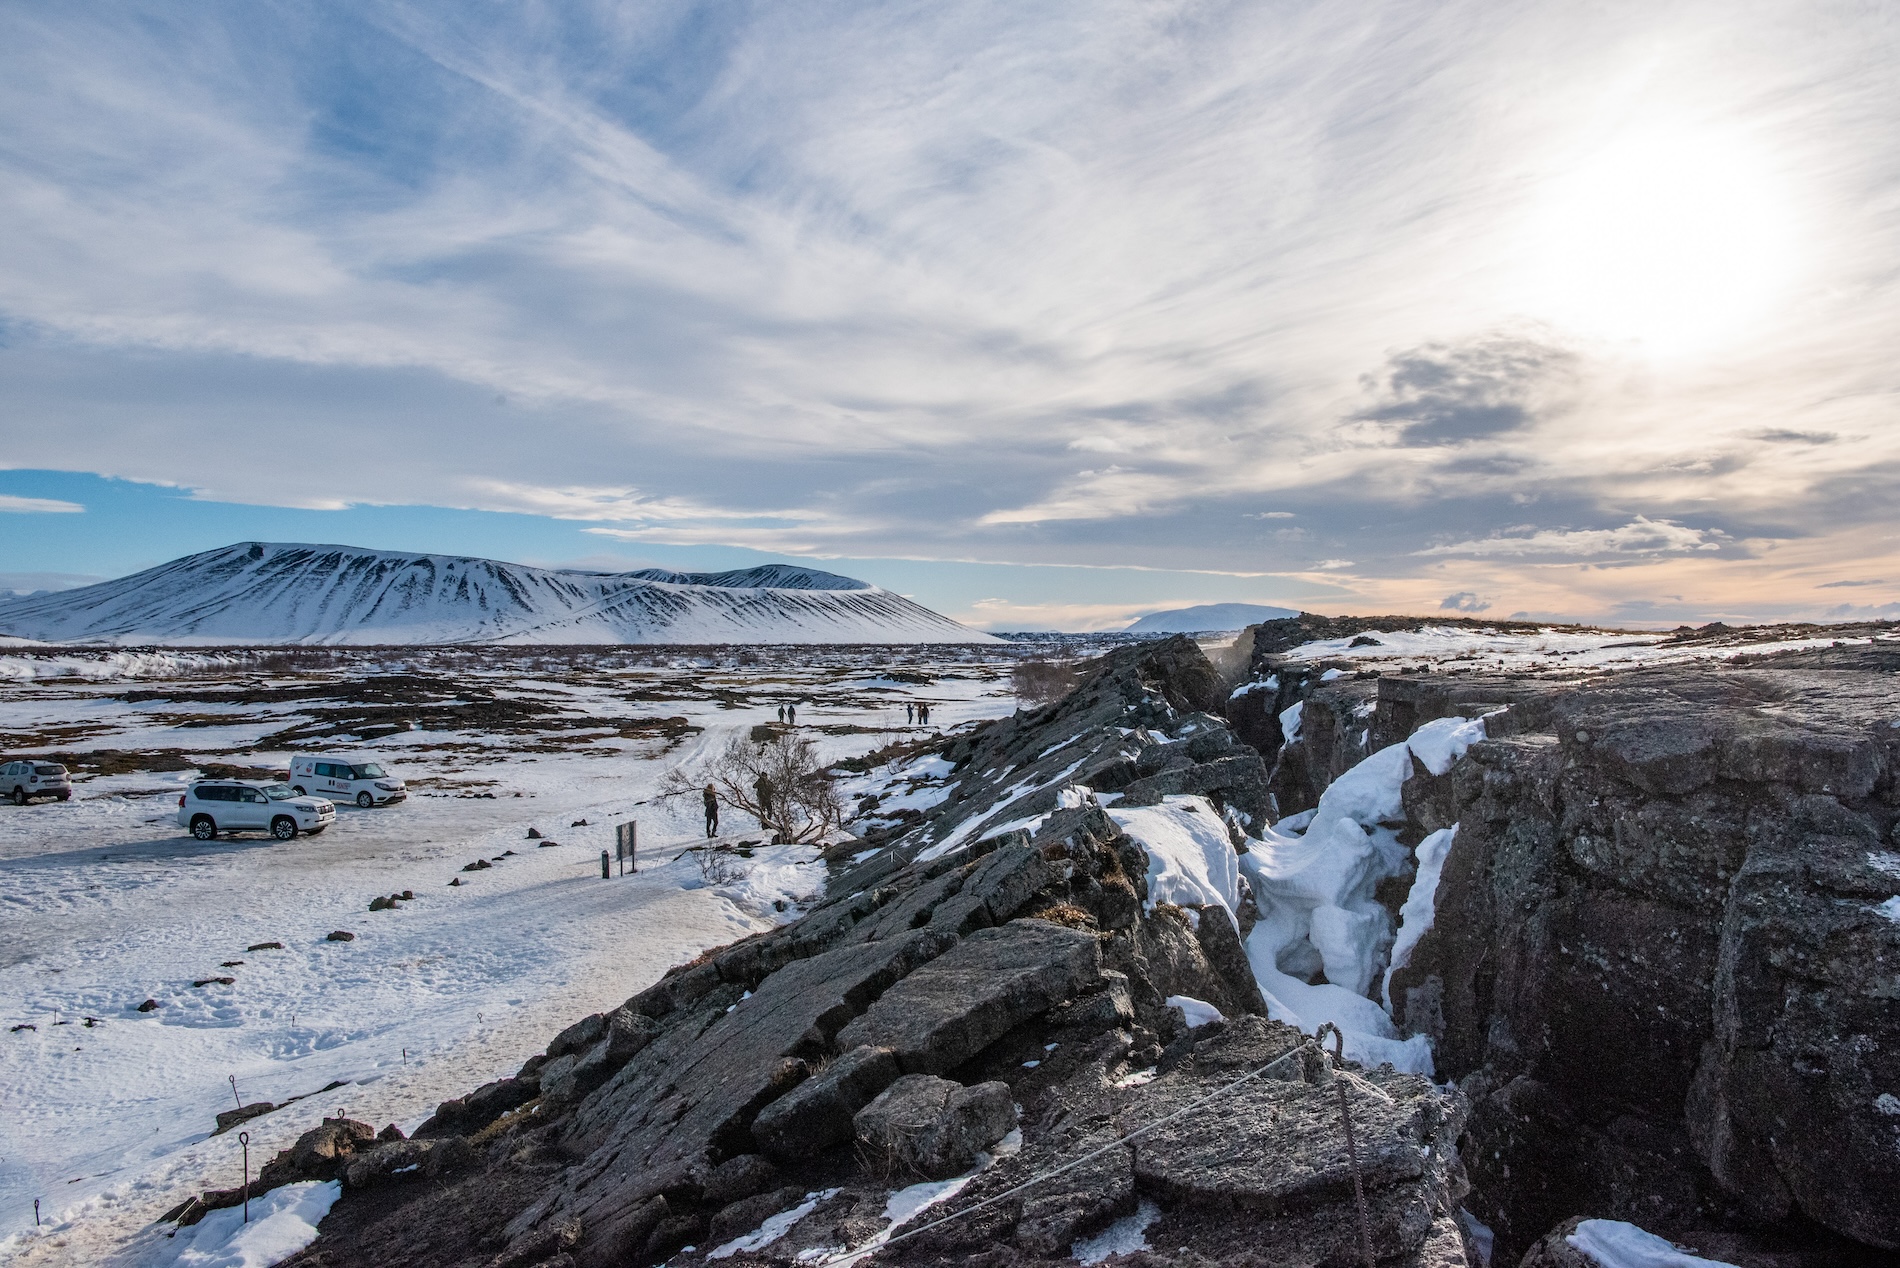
{"type": "Point", "coordinates": [1681, 240]}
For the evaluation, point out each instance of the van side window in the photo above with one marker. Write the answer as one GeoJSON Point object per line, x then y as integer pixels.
{"type": "Point", "coordinates": [324, 769]}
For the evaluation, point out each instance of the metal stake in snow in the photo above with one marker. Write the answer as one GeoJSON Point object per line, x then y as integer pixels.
{"type": "Point", "coordinates": [36, 1212]}
{"type": "Point", "coordinates": [244, 1138]}
{"type": "Point", "coordinates": [234, 1091]}
{"type": "Point", "coordinates": [606, 867]}
{"type": "Point", "coordinates": [1352, 1146]}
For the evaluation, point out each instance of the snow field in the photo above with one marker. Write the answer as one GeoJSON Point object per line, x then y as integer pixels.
{"type": "Point", "coordinates": [107, 902]}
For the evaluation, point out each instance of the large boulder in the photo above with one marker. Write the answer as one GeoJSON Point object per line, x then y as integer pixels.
{"type": "Point", "coordinates": [924, 1126]}
{"type": "Point", "coordinates": [322, 1153]}
{"type": "Point", "coordinates": [817, 1114]}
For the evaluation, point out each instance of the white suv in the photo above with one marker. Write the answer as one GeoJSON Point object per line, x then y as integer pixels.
{"type": "Point", "coordinates": [346, 779]}
{"type": "Point", "coordinates": [230, 805]}
{"type": "Point", "coordinates": [23, 781]}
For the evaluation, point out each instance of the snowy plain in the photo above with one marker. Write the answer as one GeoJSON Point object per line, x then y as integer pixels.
{"type": "Point", "coordinates": [106, 902]}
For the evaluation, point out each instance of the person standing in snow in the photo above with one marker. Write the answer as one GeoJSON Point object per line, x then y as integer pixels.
{"type": "Point", "coordinates": [711, 799]}
{"type": "Point", "coordinates": [763, 788]}
{"type": "Point", "coordinates": [781, 715]}
{"type": "Point", "coordinates": [791, 714]}
{"type": "Point", "coordinates": [923, 715]}
{"type": "Point", "coordinates": [910, 714]}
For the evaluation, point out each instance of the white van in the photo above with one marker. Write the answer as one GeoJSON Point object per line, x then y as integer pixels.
{"type": "Point", "coordinates": [346, 779]}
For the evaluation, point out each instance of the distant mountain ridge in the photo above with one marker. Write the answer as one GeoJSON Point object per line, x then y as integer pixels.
{"type": "Point", "coordinates": [1207, 617]}
{"type": "Point", "coordinates": [283, 593]}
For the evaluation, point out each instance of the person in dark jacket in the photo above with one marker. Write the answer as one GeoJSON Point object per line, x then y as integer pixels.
{"type": "Point", "coordinates": [764, 790]}
{"type": "Point", "coordinates": [711, 799]}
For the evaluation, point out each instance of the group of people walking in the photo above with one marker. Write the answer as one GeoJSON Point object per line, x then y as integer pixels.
{"type": "Point", "coordinates": [788, 715]}
{"type": "Point", "coordinates": [917, 714]}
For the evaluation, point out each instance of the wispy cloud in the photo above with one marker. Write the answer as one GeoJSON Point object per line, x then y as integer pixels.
{"type": "Point", "coordinates": [1638, 537]}
{"type": "Point", "coordinates": [38, 506]}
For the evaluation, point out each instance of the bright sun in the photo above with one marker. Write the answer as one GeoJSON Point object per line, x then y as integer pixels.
{"type": "Point", "coordinates": [1679, 239]}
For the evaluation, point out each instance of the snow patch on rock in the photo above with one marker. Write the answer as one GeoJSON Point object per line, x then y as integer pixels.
{"type": "Point", "coordinates": [1124, 1237]}
{"type": "Point", "coordinates": [283, 1222]}
{"type": "Point", "coordinates": [1616, 1244]}
{"type": "Point", "coordinates": [1191, 861]}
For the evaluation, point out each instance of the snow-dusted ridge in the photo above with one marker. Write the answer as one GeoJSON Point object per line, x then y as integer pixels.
{"type": "Point", "coordinates": [261, 592]}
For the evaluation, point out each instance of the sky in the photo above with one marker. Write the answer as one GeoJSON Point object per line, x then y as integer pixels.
{"type": "Point", "coordinates": [1046, 314]}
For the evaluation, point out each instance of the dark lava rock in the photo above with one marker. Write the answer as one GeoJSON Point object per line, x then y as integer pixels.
{"type": "Point", "coordinates": [320, 1154]}
{"type": "Point", "coordinates": [232, 1117]}
{"type": "Point", "coordinates": [148, 1006]}
{"type": "Point", "coordinates": [818, 1112]}
{"type": "Point", "coordinates": [340, 935]}
{"type": "Point", "coordinates": [1659, 965]}
{"type": "Point", "coordinates": [217, 981]}
{"type": "Point", "coordinates": [534, 834]}
{"type": "Point", "coordinates": [737, 1178]}
{"type": "Point", "coordinates": [265, 946]}
{"type": "Point", "coordinates": [479, 865]}
{"type": "Point", "coordinates": [741, 1217]}
{"type": "Point", "coordinates": [950, 1009]}
{"type": "Point", "coordinates": [380, 904]}
{"type": "Point", "coordinates": [924, 1126]}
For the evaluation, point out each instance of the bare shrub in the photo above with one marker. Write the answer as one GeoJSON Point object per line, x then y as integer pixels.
{"type": "Point", "coordinates": [717, 867]}
{"type": "Point", "coordinates": [780, 782]}
{"type": "Point", "coordinates": [1040, 682]}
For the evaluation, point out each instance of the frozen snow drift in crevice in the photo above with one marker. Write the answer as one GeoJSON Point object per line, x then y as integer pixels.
{"type": "Point", "coordinates": [1314, 879]}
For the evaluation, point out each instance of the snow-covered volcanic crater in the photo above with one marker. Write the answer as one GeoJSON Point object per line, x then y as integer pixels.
{"type": "Point", "coordinates": [260, 592]}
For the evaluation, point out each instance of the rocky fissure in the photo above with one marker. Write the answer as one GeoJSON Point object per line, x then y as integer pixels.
{"type": "Point", "coordinates": [1659, 985]}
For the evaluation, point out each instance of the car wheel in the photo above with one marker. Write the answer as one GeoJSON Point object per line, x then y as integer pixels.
{"type": "Point", "coordinates": [283, 827]}
{"type": "Point", "coordinates": [65, 796]}
{"type": "Point", "coordinates": [203, 828]}
{"type": "Point", "coordinates": [364, 800]}
{"type": "Point", "coordinates": [298, 789]}
{"type": "Point", "coordinates": [19, 796]}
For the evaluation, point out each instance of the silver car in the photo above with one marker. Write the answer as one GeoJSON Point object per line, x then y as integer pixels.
{"type": "Point", "coordinates": [212, 806]}
{"type": "Point", "coordinates": [23, 781]}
